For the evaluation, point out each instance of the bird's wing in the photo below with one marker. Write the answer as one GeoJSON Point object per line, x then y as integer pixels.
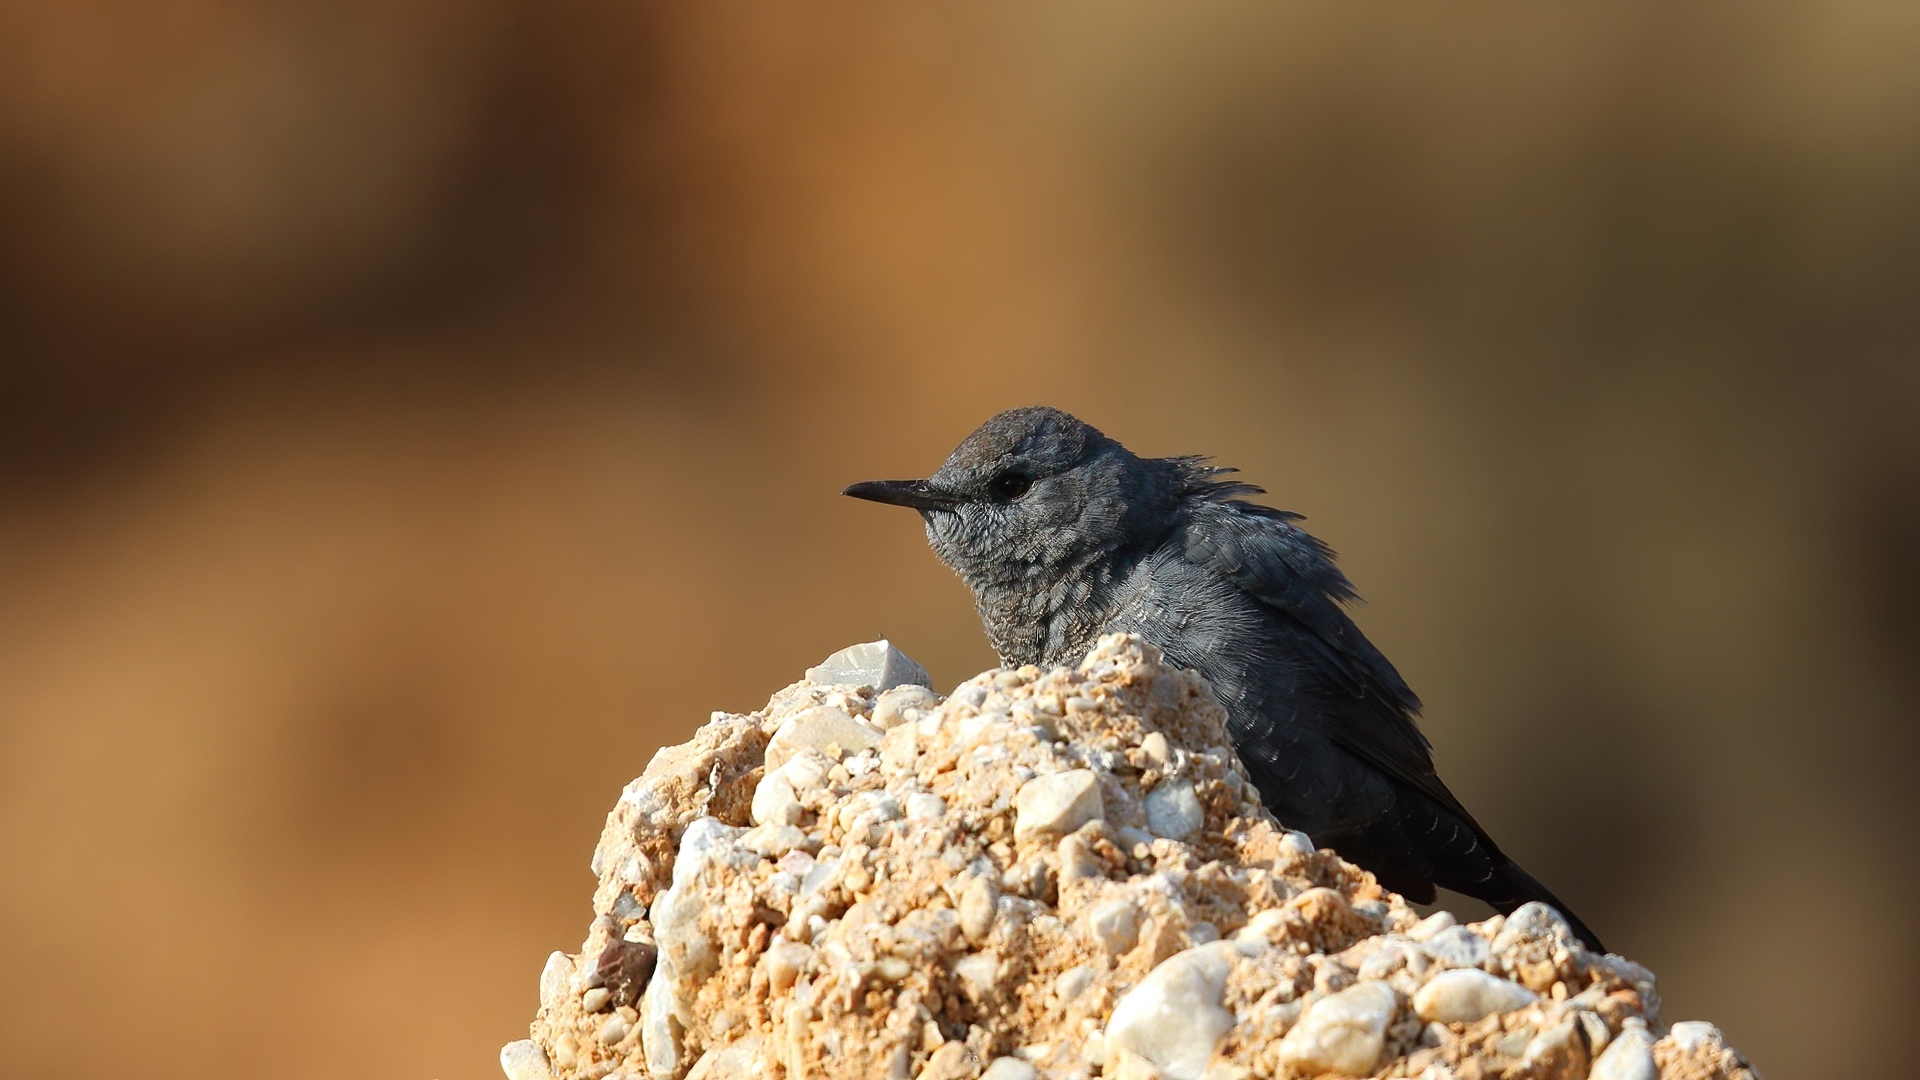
{"type": "Point", "coordinates": [1276, 562]}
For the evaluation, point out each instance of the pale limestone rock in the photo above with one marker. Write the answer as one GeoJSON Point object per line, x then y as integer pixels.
{"type": "Point", "coordinates": [907, 899]}
{"type": "Point", "coordinates": [1426, 928]}
{"type": "Point", "coordinates": [1343, 1033]}
{"type": "Point", "coordinates": [1173, 811]}
{"type": "Point", "coordinates": [902, 704]}
{"type": "Point", "coordinates": [1114, 925]}
{"type": "Point", "coordinates": [875, 663]}
{"type": "Point", "coordinates": [774, 802]}
{"type": "Point", "coordinates": [823, 728]}
{"type": "Point", "coordinates": [1691, 1035]}
{"type": "Point", "coordinates": [556, 978]}
{"type": "Point", "coordinates": [1059, 803]}
{"type": "Point", "coordinates": [978, 901]}
{"type": "Point", "coordinates": [1461, 997]}
{"type": "Point", "coordinates": [1009, 1068]}
{"type": "Point", "coordinates": [1628, 1057]}
{"type": "Point", "coordinates": [1174, 1017]}
{"type": "Point", "coordinates": [524, 1060]}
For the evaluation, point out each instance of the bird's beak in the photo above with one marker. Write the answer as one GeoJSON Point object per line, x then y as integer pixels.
{"type": "Point", "coordinates": [918, 494]}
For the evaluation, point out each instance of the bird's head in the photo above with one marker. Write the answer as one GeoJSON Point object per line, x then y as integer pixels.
{"type": "Point", "coordinates": [1032, 494]}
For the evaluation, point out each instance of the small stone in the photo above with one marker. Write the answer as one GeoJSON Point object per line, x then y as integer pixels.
{"type": "Point", "coordinates": [523, 1059]}
{"type": "Point", "coordinates": [806, 771]}
{"type": "Point", "coordinates": [1431, 925]}
{"type": "Point", "coordinates": [1598, 1034]}
{"type": "Point", "coordinates": [977, 902]}
{"type": "Point", "coordinates": [774, 802]}
{"type": "Point", "coordinates": [1296, 845]}
{"type": "Point", "coordinates": [615, 1028]}
{"type": "Point", "coordinates": [874, 663]}
{"type": "Point", "coordinates": [1173, 1017]}
{"type": "Point", "coordinates": [1691, 1035]}
{"type": "Point", "coordinates": [1077, 860]}
{"type": "Point", "coordinates": [1073, 982]}
{"type": "Point", "coordinates": [901, 704]}
{"type": "Point", "coordinates": [1628, 1057]}
{"type": "Point", "coordinates": [1009, 1068]}
{"type": "Point", "coordinates": [952, 1061]}
{"type": "Point", "coordinates": [770, 841]}
{"type": "Point", "coordinates": [1173, 810]}
{"type": "Point", "coordinates": [625, 968]}
{"type": "Point", "coordinates": [1533, 922]}
{"type": "Point", "coordinates": [1155, 747]}
{"type": "Point", "coordinates": [1560, 1050]}
{"type": "Point", "coordinates": [925, 806]}
{"type": "Point", "coordinates": [1061, 802]}
{"type": "Point", "coordinates": [784, 961]}
{"type": "Point", "coordinates": [1466, 995]}
{"type": "Point", "coordinates": [979, 975]}
{"type": "Point", "coordinates": [741, 1058]}
{"type": "Point", "coordinates": [556, 978]}
{"type": "Point", "coordinates": [1114, 925]}
{"type": "Point", "coordinates": [1343, 1033]}
{"type": "Point", "coordinates": [1263, 926]}
{"type": "Point", "coordinates": [822, 728]}
{"type": "Point", "coordinates": [595, 999]}
{"type": "Point", "coordinates": [1458, 947]}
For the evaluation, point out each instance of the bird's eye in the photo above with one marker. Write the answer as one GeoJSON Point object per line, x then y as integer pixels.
{"type": "Point", "coordinates": [1009, 486]}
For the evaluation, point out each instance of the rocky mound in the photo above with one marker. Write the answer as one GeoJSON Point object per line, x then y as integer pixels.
{"type": "Point", "coordinates": [1048, 874]}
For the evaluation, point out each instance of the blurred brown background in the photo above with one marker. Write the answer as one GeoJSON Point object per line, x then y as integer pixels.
{"type": "Point", "coordinates": [413, 413]}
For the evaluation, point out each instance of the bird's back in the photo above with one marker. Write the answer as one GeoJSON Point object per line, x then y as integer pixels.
{"type": "Point", "coordinates": [1323, 723]}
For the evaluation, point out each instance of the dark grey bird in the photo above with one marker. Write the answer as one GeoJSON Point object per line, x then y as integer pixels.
{"type": "Point", "coordinates": [1064, 535]}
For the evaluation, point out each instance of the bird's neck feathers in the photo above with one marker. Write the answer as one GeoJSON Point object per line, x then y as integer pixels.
{"type": "Point", "coordinates": [1047, 599]}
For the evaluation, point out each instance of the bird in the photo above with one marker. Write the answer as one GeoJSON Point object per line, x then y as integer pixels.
{"type": "Point", "coordinates": [1064, 535]}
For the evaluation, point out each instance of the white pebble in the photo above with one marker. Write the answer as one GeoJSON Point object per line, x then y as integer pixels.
{"type": "Point", "coordinates": [1466, 995]}
{"type": "Point", "coordinates": [1077, 860]}
{"type": "Point", "coordinates": [805, 772]}
{"type": "Point", "coordinates": [1343, 1033]}
{"type": "Point", "coordinates": [595, 999]}
{"type": "Point", "coordinates": [1115, 925]}
{"type": "Point", "coordinates": [613, 1030]}
{"type": "Point", "coordinates": [524, 1060]}
{"type": "Point", "coordinates": [1009, 1068]}
{"type": "Point", "coordinates": [1154, 746]}
{"type": "Point", "coordinates": [1173, 810]}
{"type": "Point", "coordinates": [822, 728]}
{"type": "Point", "coordinates": [1073, 982]}
{"type": "Point", "coordinates": [978, 974]}
{"type": "Point", "coordinates": [1296, 845]}
{"type": "Point", "coordinates": [556, 978]}
{"type": "Point", "coordinates": [784, 961]}
{"type": "Point", "coordinates": [1628, 1057]}
{"type": "Point", "coordinates": [1431, 925]}
{"type": "Point", "coordinates": [925, 806]}
{"type": "Point", "coordinates": [874, 663]}
{"type": "Point", "coordinates": [1058, 803]}
{"type": "Point", "coordinates": [1173, 1017]}
{"type": "Point", "coordinates": [774, 802]}
{"type": "Point", "coordinates": [977, 903]}
{"type": "Point", "coordinates": [770, 841]}
{"type": "Point", "coordinates": [1690, 1035]}
{"type": "Point", "coordinates": [1598, 1034]}
{"type": "Point", "coordinates": [1458, 947]}
{"type": "Point", "coordinates": [902, 704]}
{"type": "Point", "coordinates": [1530, 922]}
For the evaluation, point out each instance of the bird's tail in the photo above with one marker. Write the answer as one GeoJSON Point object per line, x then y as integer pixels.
{"type": "Point", "coordinates": [1526, 888]}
